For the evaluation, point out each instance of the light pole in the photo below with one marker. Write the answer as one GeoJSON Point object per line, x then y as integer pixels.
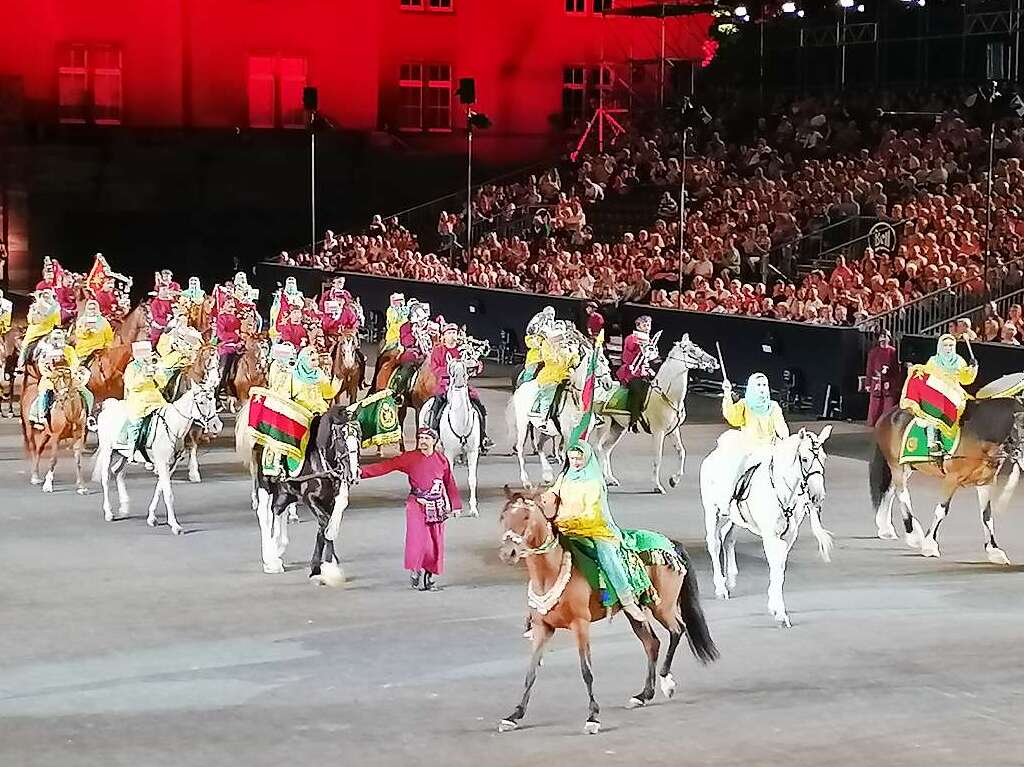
{"type": "Point", "coordinates": [682, 215]}
{"type": "Point", "coordinates": [481, 121]}
{"type": "Point", "coordinates": [312, 183]}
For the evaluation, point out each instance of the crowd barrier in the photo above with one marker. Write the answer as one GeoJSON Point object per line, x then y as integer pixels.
{"type": "Point", "coordinates": [823, 361]}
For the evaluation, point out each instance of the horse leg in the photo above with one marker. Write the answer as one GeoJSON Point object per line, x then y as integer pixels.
{"type": "Point", "coordinates": [36, 450]}
{"type": "Point", "coordinates": [883, 515]}
{"type": "Point", "coordinates": [522, 427]}
{"type": "Point", "coordinates": [776, 551]}
{"type": "Point", "coordinates": [729, 542]}
{"type": "Point", "coordinates": [293, 512]}
{"type": "Point", "coordinates": [193, 462]}
{"type": "Point", "coordinates": [472, 459]}
{"type": "Point", "coordinates": [318, 550]}
{"type": "Point", "coordinates": [995, 554]}
{"type": "Point", "coordinates": [677, 441]}
{"type": "Point", "coordinates": [667, 614]}
{"type": "Point", "coordinates": [265, 517]}
{"type": "Point", "coordinates": [713, 537]}
{"type": "Point", "coordinates": [581, 628]}
{"type": "Point", "coordinates": [80, 486]}
{"type": "Point", "coordinates": [912, 528]}
{"type": "Point", "coordinates": [331, 573]}
{"type": "Point", "coordinates": [659, 450]}
{"type": "Point", "coordinates": [930, 545]}
{"type": "Point", "coordinates": [54, 445]}
{"type": "Point", "coordinates": [172, 519]}
{"type": "Point", "coordinates": [546, 475]}
{"type": "Point", "coordinates": [157, 491]}
{"type": "Point", "coordinates": [122, 488]}
{"type": "Point", "coordinates": [652, 647]}
{"type": "Point", "coordinates": [542, 633]}
{"type": "Point", "coordinates": [103, 470]}
{"type": "Point", "coordinates": [280, 533]}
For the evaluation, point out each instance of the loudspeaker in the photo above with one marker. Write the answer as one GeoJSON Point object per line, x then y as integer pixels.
{"type": "Point", "coordinates": [309, 99]}
{"type": "Point", "coordinates": [467, 90]}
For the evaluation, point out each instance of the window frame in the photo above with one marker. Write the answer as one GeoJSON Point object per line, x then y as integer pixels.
{"type": "Point", "coordinates": [77, 62]}
{"type": "Point", "coordinates": [111, 72]}
{"type": "Point", "coordinates": [579, 7]}
{"type": "Point", "coordinates": [278, 79]}
{"type": "Point", "coordinates": [408, 85]}
{"type": "Point", "coordinates": [426, 6]}
{"type": "Point", "coordinates": [572, 86]}
{"type": "Point", "coordinates": [431, 85]}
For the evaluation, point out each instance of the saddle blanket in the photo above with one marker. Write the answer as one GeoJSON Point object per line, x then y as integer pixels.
{"type": "Point", "coordinates": [278, 423]}
{"type": "Point", "coordinates": [915, 442]}
{"type": "Point", "coordinates": [378, 420]}
{"type": "Point", "coordinates": [932, 398]}
{"type": "Point", "coordinates": [640, 549]}
{"type": "Point", "coordinates": [618, 402]}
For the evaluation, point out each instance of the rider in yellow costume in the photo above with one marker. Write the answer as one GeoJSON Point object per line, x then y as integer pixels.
{"type": "Point", "coordinates": [559, 360]}
{"type": "Point", "coordinates": [43, 316]}
{"type": "Point", "coordinates": [92, 331]}
{"type": "Point", "coordinates": [303, 382]}
{"type": "Point", "coordinates": [142, 394]}
{"type": "Point", "coordinates": [51, 353]}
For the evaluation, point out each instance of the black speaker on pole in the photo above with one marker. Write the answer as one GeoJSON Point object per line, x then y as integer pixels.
{"type": "Point", "coordinates": [467, 90]}
{"type": "Point", "coordinates": [309, 99]}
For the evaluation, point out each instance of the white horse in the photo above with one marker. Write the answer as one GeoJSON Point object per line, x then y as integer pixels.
{"type": "Point", "coordinates": [770, 499]}
{"type": "Point", "coordinates": [171, 424]}
{"type": "Point", "coordinates": [568, 415]}
{"type": "Point", "coordinates": [665, 411]}
{"type": "Point", "coordinates": [459, 425]}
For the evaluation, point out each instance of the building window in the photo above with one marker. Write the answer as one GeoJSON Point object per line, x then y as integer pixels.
{"type": "Point", "coordinates": [426, 5]}
{"type": "Point", "coordinates": [275, 91]}
{"type": "Point", "coordinates": [574, 89]}
{"type": "Point", "coordinates": [89, 84]}
{"type": "Point", "coordinates": [575, 6]}
{"type": "Point", "coordinates": [425, 97]}
{"type": "Point", "coordinates": [603, 6]}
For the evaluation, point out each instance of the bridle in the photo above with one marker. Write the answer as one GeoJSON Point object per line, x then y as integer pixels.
{"type": "Point", "coordinates": [519, 539]}
{"type": "Point", "coordinates": [342, 432]}
{"type": "Point", "coordinates": [801, 488]}
{"type": "Point", "coordinates": [203, 418]}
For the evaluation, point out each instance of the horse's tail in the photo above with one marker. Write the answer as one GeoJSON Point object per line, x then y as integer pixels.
{"type": "Point", "coordinates": [823, 536]}
{"type": "Point", "coordinates": [697, 635]}
{"type": "Point", "coordinates": [879, 477]}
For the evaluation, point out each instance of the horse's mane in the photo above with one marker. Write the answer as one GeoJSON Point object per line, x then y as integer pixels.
{"type": "Point", "coordinates": [991, 420]}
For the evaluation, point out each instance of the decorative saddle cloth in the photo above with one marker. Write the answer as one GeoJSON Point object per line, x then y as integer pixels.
{"type": "Point", "coordinates": [639, 549]}
{"type": "Point", "coordinates": [618, 402]}
{"type": "Point", "coordinates": [282, 427]}
{"type": "Point", "coordinates": [934, 400]}
{"type": "Point", "coordinates": [915, 442]}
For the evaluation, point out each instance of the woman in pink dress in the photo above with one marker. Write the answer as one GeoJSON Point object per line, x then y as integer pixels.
{"type": "Point", "coordinates": [433, 497]}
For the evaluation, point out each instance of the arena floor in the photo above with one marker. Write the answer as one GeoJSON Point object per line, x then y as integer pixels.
{"type": "Point", "coordinates": [124, 645]}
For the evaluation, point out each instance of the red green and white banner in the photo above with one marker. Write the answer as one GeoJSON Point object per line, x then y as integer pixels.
{"type": "Point", "coordinates": [278, 423]}
{"type": "Point", "coordinates": [931, 397]}
{"type": "Point", "coordinates": [582, 430]}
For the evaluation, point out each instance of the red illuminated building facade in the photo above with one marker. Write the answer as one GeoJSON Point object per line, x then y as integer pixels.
{"type": "Point", "coordinates": [379, 65]}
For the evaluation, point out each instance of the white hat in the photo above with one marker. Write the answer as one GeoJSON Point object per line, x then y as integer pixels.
{"type": "Point", "coordinates": [142, 349]}
{"type": "Point", "coordinates": [282, 352]}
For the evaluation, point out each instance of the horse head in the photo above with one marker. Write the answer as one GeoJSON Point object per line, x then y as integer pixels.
{"type": "Point", "coordinates": [458, 373]}
{"type": "Point", "coordinates": [810, 457]}
{"type": "Point", "coordinates": [691, 355]}
{"type": "Point", "coordinates": [525, 522]}
{"type": "Point", "coordinates": [203, 410]}
{"type": "Point", "coordinates": [338, 439]}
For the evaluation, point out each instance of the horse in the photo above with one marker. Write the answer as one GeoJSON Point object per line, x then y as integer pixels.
{"type": "Point", "coordinates": [194, 375]}
{"type": "Point", "coordinates": [991, 432]}
{"type": "Point", "coordinates": [665, 410]}
{"type": "Point", "coordinates": [169, 427]}
{"type": "Point", "coordinates": [107, 366]}
{"type": "Point", "coordinates": [459, 425]}
{"type": "Point", "coordinates": [517, 414]}
{"type": "Point", "coordinates": [561, 598]}
{"type": "Point", "coordinates": [65, 422]}
{"type": "Point", "coordinates": [10, 345]}
{"type": "Point", "coordinates": [773, 496]}
{"type": "Point", "coordinates": [329, 467]}
{"type": "Point", "coordinates": [348, 365]}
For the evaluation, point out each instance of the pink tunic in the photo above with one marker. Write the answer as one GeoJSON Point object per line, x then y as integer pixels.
{"type": "Point", "coordinates": [160, 311]}
{"type": "Point", "coordinates": [424, 542]}
{"type": "Point", "coordinates": [410, 348]}
{"type": "Point", "coordinates": [229, 338]}
{"type": "Point", "coordinates": [631, 349]}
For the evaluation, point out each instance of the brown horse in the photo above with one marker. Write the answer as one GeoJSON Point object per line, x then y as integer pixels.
{"type": "Point", "coordinates": [386, 364]}
{"type": "Point", "coordinates": [348, 365]}
{"type": "Point", "coordinates": [10, 345]}
{"type": "Point", "coordinates": [107, 366]}
{"type": "Point", "coordinates": [572, 604]}
{"type": "Point", "coordinates": [992, 432]}
{"type": "Point", "coordinates": [66, 422]}
{"type": "Point", "coordinates": [251, 367]}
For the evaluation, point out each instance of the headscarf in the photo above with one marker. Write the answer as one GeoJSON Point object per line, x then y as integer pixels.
{"type": "Point", "coordinates": [758, 395]}
{"type": "Point", "coordinates": [591, 469]}
{"type": "Point", "coordinates": [306, 368]}
{"type": "Point", "coordinates": [947, 360]}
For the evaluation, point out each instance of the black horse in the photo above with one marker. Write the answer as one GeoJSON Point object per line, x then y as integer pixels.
{"type": "Point", "coordinates": [329, 467]}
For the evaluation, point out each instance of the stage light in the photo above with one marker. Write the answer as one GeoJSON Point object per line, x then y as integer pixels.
{"type": "Point", "coordinates": [846, 3]}
{"type": "Point", "coordinates": [741, 11]}
{"type": "Point", "coordinates": [922, 3]}
{"type": "Point", "coordinates": [800, 13]}
{"type": "Point", "coordinates": [789, 7]}
{"type": "Point", "coordinates": [860, 8]}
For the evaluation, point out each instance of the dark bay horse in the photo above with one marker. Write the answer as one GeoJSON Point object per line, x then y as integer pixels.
{"type": "Point", "coordinates": [348, 365]}
{"type": "Point", "coordinates": [530, 532]}
{"type": "Point", "coordinates": [330, 466]}
{"type": "Point", "coordinates": [992, 433]}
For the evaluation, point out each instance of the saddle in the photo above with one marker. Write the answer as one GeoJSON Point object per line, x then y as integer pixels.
{"type": "Point", "coordinates": [618, 402]}
{"type": "Point", "coordinates": [914, 443]}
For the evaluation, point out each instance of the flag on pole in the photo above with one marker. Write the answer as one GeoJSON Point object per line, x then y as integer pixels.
{"type": "Point", "coordinates": [582, 430]}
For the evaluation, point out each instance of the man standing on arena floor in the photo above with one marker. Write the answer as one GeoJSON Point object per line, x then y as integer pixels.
{"type": "Point", "coordinates": [882, 378]}
{"type": "Point", "coordinates": [433, 497]}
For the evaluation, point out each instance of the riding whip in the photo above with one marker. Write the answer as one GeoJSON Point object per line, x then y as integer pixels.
{"type": "Point", "coordinates": [721, 362]}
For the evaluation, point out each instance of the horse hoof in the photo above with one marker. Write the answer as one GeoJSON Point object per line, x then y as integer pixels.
{"type": "Point", "coordinates": [721, 593]}
{"type": "Point", "coordinates": [668, 685]}
{"type": "Point", "coordinates": [888, 534]}
{"type": "Point", "coordinates": [635, 702]}
{"type": "Point", "coordinates": [473, 512]}
{"type": "Point", "coordinates": [177, 530]}
{"type": "Point", "coordinates": [82, 490]}
{"type": "Point", "coordinates": [151, 521]}
{"type": "Point", "coordinates": [507, 725]}
{"type": "Point", "coordinates": [547, 479]}
{"type": "Point", "coordinates": [997, 556]}
{"type": "Point", "coordinates": [659, 490]}
{"type": "Point", "coordinates": [149, 466]}
{"type": "Point", "coordinates": [915, 539]}
{"type": "Point", "coordinates": [274, 569]}
{"type": "Point", "coordinates": [109, 516]}
{"type": "Point", "coordinates": [612, 482]}
{"type": "Point", "coordinates": [36, 480]}
{"type": "Point", "coordinates": [592, 728]}
{"type": "Point", "coordinates": [48, 487]}
{"type": "Point", "coordinates": [930, 549]}
{"type": "Point", "coordinates": [331, 575]}
{"type": "Point", "coordinates": [783, 621]}
{"type": "Point", "coordinates": [673, 481]}
{"type": "Point", "coordinates": [195, 477]}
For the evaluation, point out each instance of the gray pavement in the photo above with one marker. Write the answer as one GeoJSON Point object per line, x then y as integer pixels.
{"type": "Point", "coordinates": [125, 645]}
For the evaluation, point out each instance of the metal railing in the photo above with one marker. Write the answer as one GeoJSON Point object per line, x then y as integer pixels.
{"type": "Point", "coordinates": [940, 306]}
{"type": "Point", "coordinates": [836, 236]}
{"type": "Point", "coordinates": [976, 315]}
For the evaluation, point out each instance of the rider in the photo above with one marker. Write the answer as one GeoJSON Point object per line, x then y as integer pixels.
{"type": "Point", "coordinates": [142, 396]}
{"type": "Point", "coordinates": [300, 379]}
{"type": "Point", "coordinates": [53, 352]}
{"type": "Point", "coordinates": [165, 277]}
{"type": "Point", "coordinates": [954, 372]}
{"type": "Point", "coordinates": [758, 423]}
{"type": "Point", "coordinates": [594, 321]}
{"type": "Point", "coordinates": [558, 360]}
{"type": "Point", "coordinates": [580, 497]}
{"type": "Point", "coordinates": [161, 310]}
{"type": "Point", "coordinates": [292, 330]}
{"type": "Point", "coordinates": [92, 332]}
{"type": "Point", "coordinates": [635, 372]}
{"type": "Point", "coordinates": [535, 340]}
{"type": "Point", "coordinates": [194, 294]}
{"type": "Point", "coordinates": [177, 349]}
{"type": "Point", "coordinates": [414, 341]}
{"type": "Point", "coordinates": [395, 316]}
{"type": "Point", "coordinates": [229, 336]}
{"type": "Point", "coordinates": [43, 316]}
{"type": "Point", "coordinates": [52, 271]}
{"type": "Point", "coordinates": [6, 313]}
{"type": "Point", "coordinates": [336, 292]}
{"type": "Point", "coordinates": [106, 297]}
{"type": "Point", "coordinates": [285, 300]}
{"type": "Point", "coordinates": [66, 296]}
{"type": "Point", "coordinates": [447, 348]}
